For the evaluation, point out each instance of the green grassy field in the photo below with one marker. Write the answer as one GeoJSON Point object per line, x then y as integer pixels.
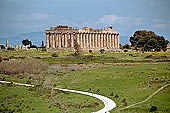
{"type": "Point", "coordinates": [133, 83]}
{"type": "Point", "coordinates": [126, 78]}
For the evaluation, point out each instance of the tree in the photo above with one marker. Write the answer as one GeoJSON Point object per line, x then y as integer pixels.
{"type": "Point", "coordinates": [77, 47]}
{"type": "Point", "coordinates": [126, 46]}
{"type": "Point", "coordinates": [2, 47]}
{"type": "Point", "coordinates": [42, 44]}
{"type": "Point", "coordinates": [26, 42]}
{"type": "Point", "coordinates": [30, 43]}
{"type": "Point", "coordinates": [33, 46]}
{"type": "Point", "coordinates": [148, 41]}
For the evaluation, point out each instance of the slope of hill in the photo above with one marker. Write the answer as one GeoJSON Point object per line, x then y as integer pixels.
{"type": "Point", "coordinates": [35, 37]}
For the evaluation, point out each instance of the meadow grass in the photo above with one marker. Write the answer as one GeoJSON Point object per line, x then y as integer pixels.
{"type": "Point", "coordinates": [15, 99]}
{"type": "Point", "coordinates": [126, 78]}
{"type": "Point", "coordinates": [133, 83]}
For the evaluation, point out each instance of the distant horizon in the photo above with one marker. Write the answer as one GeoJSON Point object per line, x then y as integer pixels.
{"type": "Point", "coordinates": [3, 40]}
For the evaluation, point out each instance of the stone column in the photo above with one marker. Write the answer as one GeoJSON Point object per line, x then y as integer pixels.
{"type": "Point", "coordinates": [104, 40]}
{"type": "Point", "coordinates": [94, 35]}
{"type": "Point", "coordinates": [107, 40]}
{"type": "Point", "coordinates": [68, 40]}
{"type": "Point", "coordinates": [114, 41]}
{"type": "Point", "coordinates": [56, 40]}
{"type": "Point", "coordinates": [90, 40]}
{"type": "Point", "coordinates": [110, 40]}
{"type": "Point", "coordinates": [95, 40]}
{"type": "Point", "coordinates": [80, 39]}
{"type": "Point", "coordinates": [55, 44]}
{"type": "Point", "coordinates": [66, 37]}
{"type": "Point", "coordinates": [87, 40]}
{"type": "Point", "coordinates": [59, 40]}
{"type": "Point", "coordinates": [99, 40]}
{"type": "Point", "coordinates": [53, 37]}
{"type": "Point", "coordinates": [49, 37]}
{"type": "Point", "coordinates": [52, 40]}
{"type": "Point", "coordinates": [101, 35]}
{"type": "Point", "coordinates": [72, 39]}
{"type": "Point", "coordinates": [47, 40]}
{"type": "Point", "coordinates": [84, 37]}
{"type": "Point", "coordinates": [62, 40]}
{"type": "Point", "coordinates": [118, 41]}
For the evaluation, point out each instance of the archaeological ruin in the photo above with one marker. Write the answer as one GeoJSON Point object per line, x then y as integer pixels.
{"type": "Point", "coordinates": [66, 37]}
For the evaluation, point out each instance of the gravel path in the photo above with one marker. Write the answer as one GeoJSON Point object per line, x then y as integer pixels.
{"type": "Point", "coordinates": [108, 103]}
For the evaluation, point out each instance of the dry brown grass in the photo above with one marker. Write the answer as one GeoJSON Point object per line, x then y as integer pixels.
{"type": "Point", "coordinates": [22, 66]}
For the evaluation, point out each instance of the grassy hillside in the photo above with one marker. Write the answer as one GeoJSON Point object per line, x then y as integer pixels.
{"type": "Point", "coordinates": [126, 78]}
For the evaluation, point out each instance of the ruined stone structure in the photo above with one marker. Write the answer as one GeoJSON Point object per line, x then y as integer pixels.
{"type": "Point", "coordinates": [6, 43]}
{"type": "Point", "coordinates": [65, 38]}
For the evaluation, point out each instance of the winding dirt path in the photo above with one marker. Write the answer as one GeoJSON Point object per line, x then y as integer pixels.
{"type": "Point", "coordinates": [108, 103]}
{"type": "Point", "coordinates": [154, 93]}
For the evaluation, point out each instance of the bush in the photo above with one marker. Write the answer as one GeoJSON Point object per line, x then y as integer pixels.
{"type": "Point", "coordinates": [2, 47]}
{"type": "Point", "coordinates": [153, 108]}
{"type": "Point", "coordinates": [54, 55]}
{"type": "Point", "coordinates": [125, 50]}
{"type": "Point", "coordinates": [90, 51]}
{"type": "Point", "coordinates": [10, 49]}
{"type": "Point", "coordinates": [22, 66]}
{"type": "Point", "coordinates": [102, 50]}
{"type": "Point", "coordinates": [33, 46]}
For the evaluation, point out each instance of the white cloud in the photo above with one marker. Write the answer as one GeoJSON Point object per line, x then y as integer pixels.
{"type": "Point", "coordinates": [33, 17]}
{"type": "Point", "coordinates": [114, 19]}
{"type": "Point", "coordinates": [159, 26]}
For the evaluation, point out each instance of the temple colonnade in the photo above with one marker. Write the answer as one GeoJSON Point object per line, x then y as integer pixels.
{"type": "Point", "coordinates": [85, 40]}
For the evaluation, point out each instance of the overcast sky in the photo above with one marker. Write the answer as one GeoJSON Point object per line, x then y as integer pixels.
{"type": "Point", "coordinates": [126, 16]}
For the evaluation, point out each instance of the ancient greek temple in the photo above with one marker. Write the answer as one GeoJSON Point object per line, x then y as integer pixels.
{"type": "Point", "coordinates": [66, 37]}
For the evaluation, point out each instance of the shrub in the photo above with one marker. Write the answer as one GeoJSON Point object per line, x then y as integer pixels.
{"type": "Point", "coordinates": [153, 108]}
{"type": "Point", "coordinates": [10, 48]}
{"type": "Point", "coordinates": [102, 50]}
{"type": "Point", "coordinates": [125, 50]}
{"type": "Point", "coordinates": [23, 66]}
{"type": "Point", "coordinates": [54, 55]}
{"type": "Point", "coordinates": [2, 47]}
{"type": "Point", "coordinates": [90, 51]}
{"type": "Point", "coordinates": [33, 46]}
